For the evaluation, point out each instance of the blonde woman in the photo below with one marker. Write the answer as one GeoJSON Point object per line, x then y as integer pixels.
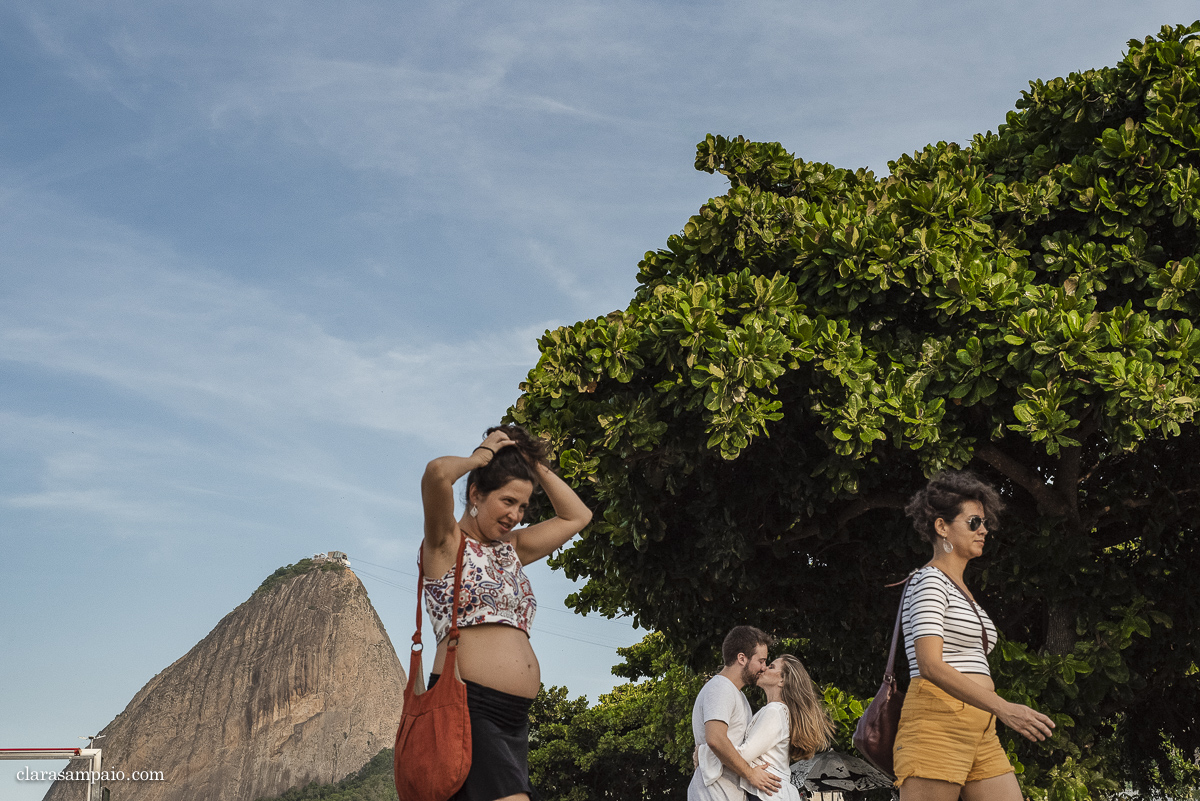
{"type": "Point", "coordinates": [793, 725]}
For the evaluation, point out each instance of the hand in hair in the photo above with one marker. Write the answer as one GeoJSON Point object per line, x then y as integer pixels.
{"type": "Point", "coordinates": [570, 517]}
{"type": "Point", "coordinates": [496, 439]}
{"type": "Point", "coordinates": [534, 450]}
{"type": "Point", "coordinates": [491, 466]}
{"type": "Point", "coordinates": [437, 490]}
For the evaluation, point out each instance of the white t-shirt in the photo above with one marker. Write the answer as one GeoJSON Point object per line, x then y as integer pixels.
{"type": "Point", "coordinates": [719, 700]}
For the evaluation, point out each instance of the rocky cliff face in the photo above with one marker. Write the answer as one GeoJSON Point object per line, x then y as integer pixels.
{"type": "Point", "coordinates": [300, 683]}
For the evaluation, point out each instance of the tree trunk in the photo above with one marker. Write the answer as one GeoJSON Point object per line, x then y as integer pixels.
{"type": "Point", "coordinates": [1060, 628]}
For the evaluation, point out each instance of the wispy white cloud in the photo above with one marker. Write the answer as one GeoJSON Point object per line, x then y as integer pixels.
{"type": "Point", "coordinates": [95, 502]}
{"type": "Point", "coordinates": [131, 313]}
{"type": "Point", "coordinates": [107, 310]}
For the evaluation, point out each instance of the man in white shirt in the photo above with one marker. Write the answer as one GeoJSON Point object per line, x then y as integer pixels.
{"type": "Point", "coordinates": [720, 717]}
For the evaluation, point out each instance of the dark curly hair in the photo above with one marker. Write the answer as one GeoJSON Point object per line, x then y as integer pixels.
{"type": "Point", "coordinates": [944, 497]}
{"type": "Point", "coordinates": [518, 461]}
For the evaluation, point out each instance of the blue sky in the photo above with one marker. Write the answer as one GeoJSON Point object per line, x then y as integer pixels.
{"type": "Point", "coordinates": [260, 262]}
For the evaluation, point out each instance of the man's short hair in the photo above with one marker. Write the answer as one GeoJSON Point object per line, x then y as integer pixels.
{"type": "Point", "coordinates": [743, 640]}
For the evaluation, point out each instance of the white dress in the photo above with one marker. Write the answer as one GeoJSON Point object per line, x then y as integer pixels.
{"type": "Point", "coordinates": [768, 744]}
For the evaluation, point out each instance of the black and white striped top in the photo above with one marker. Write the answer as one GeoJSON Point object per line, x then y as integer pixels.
{"type": "Point", "coordinates": [934, 607]}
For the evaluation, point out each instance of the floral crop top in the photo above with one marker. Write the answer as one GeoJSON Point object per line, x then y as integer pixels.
{"type": "Point", "coordinates": [495, 589]}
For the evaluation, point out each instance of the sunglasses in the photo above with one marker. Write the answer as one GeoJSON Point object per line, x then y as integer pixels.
{"type": "Point", "coordinates": [975, 521]}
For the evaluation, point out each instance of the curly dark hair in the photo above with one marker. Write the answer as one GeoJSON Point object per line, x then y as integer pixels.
{"type": "Point", "coordinates": [518, 461]}
{"type": "Point", "coordinates": [944, 497]}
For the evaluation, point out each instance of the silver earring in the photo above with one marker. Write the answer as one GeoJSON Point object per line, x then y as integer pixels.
{"type": "Point", "coordinates": [947, 545]}
{"type": "Point", "coordinates": [474, 510]}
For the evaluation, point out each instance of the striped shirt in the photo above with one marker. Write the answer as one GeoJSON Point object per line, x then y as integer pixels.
{"type": "Point", "coordinates": [934, 607]}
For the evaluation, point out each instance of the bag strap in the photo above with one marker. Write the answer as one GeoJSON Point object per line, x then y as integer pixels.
{"type": "Point", "coordinates": [975, 609]}
{"type": "Point", "coordinates": [890, 672]}
{"type": "Point", "coordinates": [416, 638]}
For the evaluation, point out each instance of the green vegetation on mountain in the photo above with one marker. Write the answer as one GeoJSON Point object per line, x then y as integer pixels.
{"type": "Point", "coordinates": [373, 782]}
{"type": "Point", "coordinates": [287, 572]}
{"type": "Point", "coordinates": [818, 340]}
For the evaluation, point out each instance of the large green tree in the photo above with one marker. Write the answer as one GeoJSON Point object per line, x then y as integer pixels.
{"type": "Point", "coordinates": [617, 749]}
{"type": "Point", "coordinates": [817, 341]}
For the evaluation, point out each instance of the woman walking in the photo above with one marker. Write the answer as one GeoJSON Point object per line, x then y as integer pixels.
{"type": "Point", "coordinates": [947, 744]}
{"type": "Point", "coordinates": [496, 603]}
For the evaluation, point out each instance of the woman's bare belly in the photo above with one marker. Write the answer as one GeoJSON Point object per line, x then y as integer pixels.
{"type": "Point", "coordinates": [496, 656]}
{"type": "Point", "coordinates": [982, 680]}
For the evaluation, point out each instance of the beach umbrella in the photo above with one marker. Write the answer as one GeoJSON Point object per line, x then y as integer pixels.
{"type": "Point", "coordinates": [836, 772]}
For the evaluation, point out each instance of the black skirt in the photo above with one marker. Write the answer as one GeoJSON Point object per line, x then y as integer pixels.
{"type": "Point", "coordinates": [499, 744]}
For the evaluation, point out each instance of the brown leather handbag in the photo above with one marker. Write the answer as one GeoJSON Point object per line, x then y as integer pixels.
{"type": "Point", "coordinates": [433, 743]}
{"type": "Point", "coordinates": [875, 734]}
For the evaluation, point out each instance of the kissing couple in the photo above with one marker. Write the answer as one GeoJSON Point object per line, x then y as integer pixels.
{"type": "Point", "coordinates": [740, 757]}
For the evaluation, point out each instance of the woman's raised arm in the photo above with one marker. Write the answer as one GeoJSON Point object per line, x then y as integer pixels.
{"type": "Point", "coordinates": [571, 515]}
{"type": "Point", "coordinates": [437, 489]}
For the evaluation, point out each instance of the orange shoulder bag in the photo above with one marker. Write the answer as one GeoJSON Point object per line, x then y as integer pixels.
{"type": "Point", "coordinates": [433, 743]}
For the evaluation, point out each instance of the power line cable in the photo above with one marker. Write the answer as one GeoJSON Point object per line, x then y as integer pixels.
{"type": "Point", "coordinates": [409, 590]}
{"type": "Point", "coordinates": [545, 628]}
{"type": "Point", "coordinates": [356, 560]}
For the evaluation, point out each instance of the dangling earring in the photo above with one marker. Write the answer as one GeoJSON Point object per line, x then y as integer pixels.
{"type": "Point", "coordinates": [947, 545]}
{"type": "Point", "coordinates": [474, 510]}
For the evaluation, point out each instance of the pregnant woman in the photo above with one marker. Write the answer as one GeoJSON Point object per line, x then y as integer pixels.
{"type": "Point", "coordinates": [496, 605]}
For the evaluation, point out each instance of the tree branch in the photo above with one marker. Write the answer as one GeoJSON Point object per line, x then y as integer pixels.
{"type": "Point", "coordinates": [1069, 464]}
{"type": "Point", "coordinates": [1048, 501]}
{"type": "Point", "coordinates": [1115, 532]}
{"type": "Point", "coordinates": [1068, 475]}
{"type": "Point", "coordinates": [859, 506]}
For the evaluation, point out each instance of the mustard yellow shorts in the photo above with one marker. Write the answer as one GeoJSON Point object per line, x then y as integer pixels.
{"type": "Point", "coordinates": [943, 738]}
